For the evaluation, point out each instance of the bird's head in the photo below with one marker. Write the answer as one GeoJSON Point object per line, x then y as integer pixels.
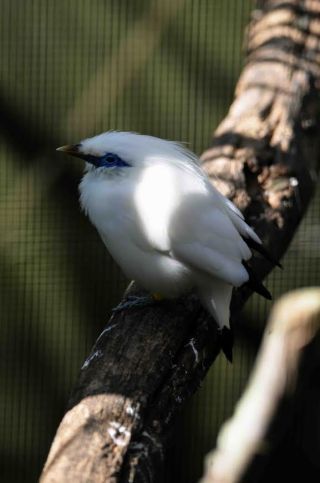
{"type": "Point", "coordinates": [102, 151]}
{"type": "Point", "coordinates": [115, 149]}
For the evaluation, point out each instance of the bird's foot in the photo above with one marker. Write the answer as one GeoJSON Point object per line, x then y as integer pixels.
{"type": "Point", "coordinates": [135, 301]}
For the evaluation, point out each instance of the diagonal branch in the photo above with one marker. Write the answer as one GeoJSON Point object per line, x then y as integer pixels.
{"type": "Point", "coordinates": [147, 362]}
{"type": "Point", "coordinates": [253, 445]}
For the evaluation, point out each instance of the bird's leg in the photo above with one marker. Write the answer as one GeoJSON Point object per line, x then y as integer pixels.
{"type": "Point", "coordinates": [136, 301]}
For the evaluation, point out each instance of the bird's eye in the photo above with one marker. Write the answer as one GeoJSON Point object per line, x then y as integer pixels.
{"type": "Point", "coordinates": [111, 158]}
{"type": "Point", "coordinates": [107, 160]}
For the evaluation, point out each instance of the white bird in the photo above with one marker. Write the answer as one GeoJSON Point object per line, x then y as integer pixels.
{"type": "Point", "coordinates": [163, 221]}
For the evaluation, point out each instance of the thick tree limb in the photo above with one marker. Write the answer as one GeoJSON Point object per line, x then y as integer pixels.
{"type": "Point", "coordinates": [147, 362]}
{"type": "Point", "coordinates": [277, 395]}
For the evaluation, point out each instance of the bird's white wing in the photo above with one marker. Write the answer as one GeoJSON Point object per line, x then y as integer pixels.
{"type": "Point", "coordinates": [238, 220]}
{"type": "Point", "coordinates": [204, 236]}
{"type": "Point", "coordinates": [181, 214]}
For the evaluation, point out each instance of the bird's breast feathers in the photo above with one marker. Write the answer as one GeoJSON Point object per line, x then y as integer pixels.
{"type": "Point", "coordinates": [146, 201]}
{"type": "Point", "coordinates": [163, 210]}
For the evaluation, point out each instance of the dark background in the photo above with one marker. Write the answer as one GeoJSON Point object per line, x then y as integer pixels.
{"type": "Point", "coordinates": [70, 69]}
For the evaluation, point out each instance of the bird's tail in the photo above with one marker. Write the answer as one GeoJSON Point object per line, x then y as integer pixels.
{"type": "Point", "coordinates": [255, 284]}
{"type": "Point", "coordinates": [216, 298]}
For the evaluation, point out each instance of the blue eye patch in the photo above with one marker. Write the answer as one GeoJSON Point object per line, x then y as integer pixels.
{"type": "Point", "coordinates": [108, 160]}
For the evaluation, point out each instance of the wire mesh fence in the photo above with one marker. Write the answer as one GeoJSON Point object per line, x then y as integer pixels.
{"type": "Point", "coordinates": [70, 70]}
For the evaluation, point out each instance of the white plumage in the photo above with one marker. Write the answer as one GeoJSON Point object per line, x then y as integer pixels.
{"type": "Point", "coordinates": [161, 219]}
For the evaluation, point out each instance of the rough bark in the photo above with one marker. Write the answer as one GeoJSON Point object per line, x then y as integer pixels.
{"type": "Point", "coordinates": [147, 362]}
{"type": "Point", "coordinates": [282, 397]}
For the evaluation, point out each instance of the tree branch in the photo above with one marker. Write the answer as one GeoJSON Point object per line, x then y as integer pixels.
{"type": "Point", "coordinates": [277, 394]}
{"type": "Point", "coordinates": [147, 362]}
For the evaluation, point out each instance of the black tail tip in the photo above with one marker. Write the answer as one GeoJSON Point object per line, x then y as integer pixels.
{"type": "Point", "coordinates": [260, 249]}
{"type": "Point", "coordinates": [227, 343]}
{"type": "Point", "coordinates": [265, 293]}
{"type": "Point", "coordinates": [255, 284]}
